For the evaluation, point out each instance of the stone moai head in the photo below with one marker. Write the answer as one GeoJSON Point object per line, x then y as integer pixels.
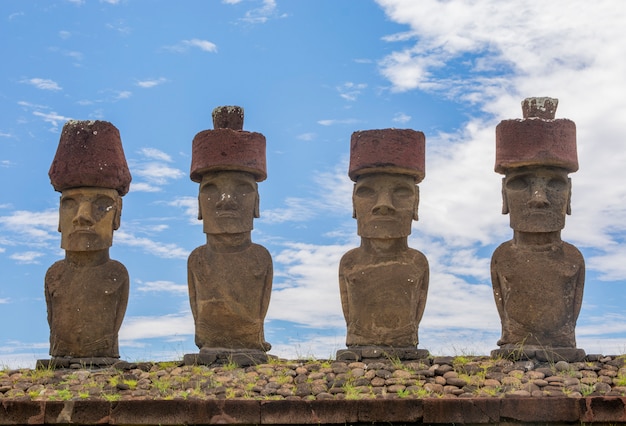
{"type": "Point", "coordinates": [536, 154]}
{"type": "Point", "coordinates": [228, 162]}
{"type": "Point", "coordinates": [386, 166]}
{"type": "Point", "coordinates": [90, 171]}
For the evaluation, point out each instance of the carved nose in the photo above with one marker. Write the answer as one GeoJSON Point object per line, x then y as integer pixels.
{"type": "Point", "coordinates": [227, 201]}
{"type": "Point", "coordinates": [83, 215]}
{"type": "Point", "coordinates": [538, 199]}
{"type": "Point", "coordinates": [383, 206]}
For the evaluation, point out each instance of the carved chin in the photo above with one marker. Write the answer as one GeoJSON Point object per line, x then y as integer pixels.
{"type": "Point", "coordinates": [82, 241]}
{"type": "Point", "coordinates": [384, 230]}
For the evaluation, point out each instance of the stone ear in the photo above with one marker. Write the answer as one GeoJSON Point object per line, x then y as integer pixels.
{"type": "Point", "coordinates": [199, 209]}
{"type": "Point", "coordinates": [505, 200]}
{"type": "Point", "coordinates": [417, 202]}
{"type": "Point", "coordinates": [353, 209]}
{"type": "Point", "coordinates": [568, 210]}
{"type": "Point", "coordinates": [117, 219]}
{"type": "Point", "coordinates": [257, 209]}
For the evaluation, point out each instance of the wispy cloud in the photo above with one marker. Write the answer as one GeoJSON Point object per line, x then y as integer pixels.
{"type": "Point", "coordinates": [262, 14]}
{"type": "Point", "coordinates": [53, 118]}
{"type": "Point", "coordinates": [42, 83]}
{"type": "Point", "coordinates": [162, 286]}
{"type": "Point", "coordinates": [163, 326]}
{"type": "Point", "coordinates": [35, 229]}
{"type": "Point", "coordinates": [152, 172]}
{"type": "Point", "coordinates": [153, 82]}
{"type": "Point", "coordinates": [306, 136]}
{"type": "Point", "coordinates": [332, 122]}
{"type": "Point", "coordinates": [190, 207]}
{"type": "Point", "coordinates": [156, 154]}
{"type": "Point", "coordinates": [401, 118]}
{"type": "Point", "coordinates": [351, 91]}
{"type": "Point", "coordinates": [185, 45]}
{"type": "Point", "coordinates": [156, 248]}
{"type": "Point", "coordinates": [26, 257]}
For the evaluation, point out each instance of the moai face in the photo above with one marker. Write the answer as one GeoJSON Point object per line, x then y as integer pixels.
{"type": "Point", "coordinates": [537, 198]}
{"type": "Point", "coordinates": [385, 204]}
{"type": "Point", "coordinates": [87, 218]}
{"type": "Point", "coordinates": [229, 202]}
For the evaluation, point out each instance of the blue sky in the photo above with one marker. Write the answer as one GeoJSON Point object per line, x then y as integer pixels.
{"type": "Point", "coordinates": [308, 74]}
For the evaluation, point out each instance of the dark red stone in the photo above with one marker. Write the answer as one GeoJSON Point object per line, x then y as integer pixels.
{"type": "Point", "coordinates": [227, 149]}
{"type": "Point", "coordinates": [90, 153]}
{"type": "Point", "coordinates": [399, 151]}
{"type": "Point", "coordinates": [536, 142]}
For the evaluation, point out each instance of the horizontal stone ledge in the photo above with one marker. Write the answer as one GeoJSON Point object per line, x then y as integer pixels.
{"type": "Point", "coordinates": [240, 411]}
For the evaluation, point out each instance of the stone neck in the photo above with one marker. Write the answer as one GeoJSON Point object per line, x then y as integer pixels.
{"type": "Point", "coordinates": [536, 239]}
{"type": "Point", "coordinates": [228, 243]}
{"type": "Point", "coordinates": [384, 246]}
{"type": "Point", "coordinates": [87, 258]}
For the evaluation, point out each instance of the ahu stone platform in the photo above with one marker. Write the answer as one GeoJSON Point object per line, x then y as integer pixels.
{"type": "Point", "coordinates": [436, 390]}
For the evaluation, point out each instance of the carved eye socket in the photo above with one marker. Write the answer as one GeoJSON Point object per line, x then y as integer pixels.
{"type": "Point", "coordinates": [365, 192]}
{"type": "Point", "coordinates": [517, 184]}
{"type": "Point", "coordinates": [557, 184]}
{"type": "Point", "coordinates": [69, 203]}
{"type": "Point", "coordinates": [402, 192]}
{"type": "Point", "coordinates": [244, 189]}
{"type": "Point", "coordinates": [103, 205]}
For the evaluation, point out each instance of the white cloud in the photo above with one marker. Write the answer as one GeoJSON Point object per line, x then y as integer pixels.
{"type": "Point", "coordinates": [43, 84]}
{"type": "Point", "coordinates": [26, 257]}
{"type": "Point", "coordinates": [306, 136]}
{"type": "Point", "coordinates": [351, 91]}
{"type": "Point", "coordinates": [334, 189]}
{"type": "Point", "coordinates": [138, 328]}
{"type": "Point", "coordinates": [332, 122]}
{"type": "Point", "coordinates": [262, 14]}
{"type": "Point", "coordinates": [149, 83]}
{"type": "Point", "coordinates": [156, 248]}
{"type": "Point", "coordinates": [35, 229]}
{"type": "Point", "coordinates": [190, 206]}
{"type": "Point", "coordinates": [401, 118]}
{"type": "Point", "coordinates": [51, 117]}
{"type": "Point", "coordinates": [162, 286]}
{"type": "Point", "coordinates": [184, 46]}
{"type": "Point", "coordinates": [156, 154]}
{"type": "Point", "coordinates": [4, 301]}
{"type": "Point", "coordinates": [151, 175]}
{"type": "Point", "coordinates": [65, 34]}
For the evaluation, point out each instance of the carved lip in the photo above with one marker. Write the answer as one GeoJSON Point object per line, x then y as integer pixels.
{"type": "Point", "coordinates": [226, 214]}
{"type": "Point", "coordinates": [83, 231]}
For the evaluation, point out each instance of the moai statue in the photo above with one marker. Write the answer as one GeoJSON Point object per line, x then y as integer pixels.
{"type": "Point", "coordinates": [87, 292]}
{"type": "Point", "coordinates": [537, 278]}
{"type": "Point", "coordinates": [384, 283]}
{"type": "Point", "coordinates": [230, 277]}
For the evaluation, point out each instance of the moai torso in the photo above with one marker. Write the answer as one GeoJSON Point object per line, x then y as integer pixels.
{"type": "Point", "coordinates": [383, 299]}
{"type": "Point", "coordinates": [229, 294]}
{"type": "Point", "coordinates": [538, 293]}
{"type": "Point", "coordinates": [86, 305]}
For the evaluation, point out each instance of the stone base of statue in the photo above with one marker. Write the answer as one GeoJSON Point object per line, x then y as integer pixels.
{"type": "Point", "coordinates": [222, 356]}
{"type": "Point", "coordinates": [360, 353]}
{"type": "Point", "coordinates": [78, 363]}
{"type": "Point", "coordinates": [541, 354]}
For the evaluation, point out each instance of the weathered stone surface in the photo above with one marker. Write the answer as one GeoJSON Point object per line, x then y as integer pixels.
{"type": "Point", "coordinates": [537, 278]}
{"type": "Point", "coordinates": [228, 147]}
{"type": "Point", "coordinates": [229, 278]}
{"type": "Point", "coordinates": [228, 117]}
{"type": "Point", "coordinates": [536, 141]}
{"type": "Point", "coordinates": [90, 153]}
{"type": "Point", "coordinates": [384, 283]}
{"type": "Point", "coordinates": [87, 292]}
{"type": "Point", "coordinates": [400, 151]}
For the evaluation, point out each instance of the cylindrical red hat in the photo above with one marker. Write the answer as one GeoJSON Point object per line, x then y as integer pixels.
{"type": "Point", "coordinates": [400, 151]}
{"type": "Point", "coordinates": [536, 140]}
{"type": "Point", "coordinates": [228, 148]}
{"type": "Point", "coordinates": [90, 153]}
